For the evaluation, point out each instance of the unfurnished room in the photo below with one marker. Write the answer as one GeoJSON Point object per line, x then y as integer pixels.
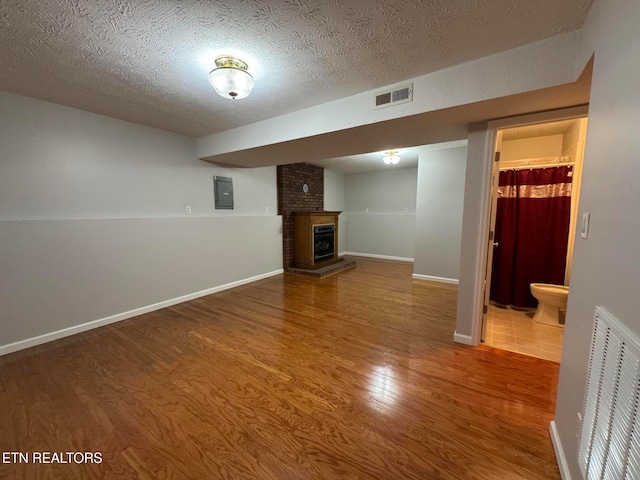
{"type": "Point", "coordinates": [298, 239]}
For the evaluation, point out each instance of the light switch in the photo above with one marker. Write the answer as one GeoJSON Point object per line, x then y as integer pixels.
{"type": "Point", "coordinates": [586, 218]}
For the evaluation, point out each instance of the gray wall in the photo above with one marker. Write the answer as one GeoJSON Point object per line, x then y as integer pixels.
{"type": "Point", "coordinates": [606, 266]}
{"type": "Point", "coordinates": [93, 223]}
{"type": "Point", "coordinates": [59, 162]}
{"type": "Point", "coordinates": [474, 233]}
{"type": "Point", "coordinates": [385, 229]}
{"type": "Point", "coordinates": [334, 200]}
{"type": "Point", "coordinates": [439, 207]}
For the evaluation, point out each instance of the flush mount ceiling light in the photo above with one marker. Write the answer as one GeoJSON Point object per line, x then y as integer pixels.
{"type": "Point", "coordinates": [391, 157]}
{"type": "Point", "coordinates": [230, 78]}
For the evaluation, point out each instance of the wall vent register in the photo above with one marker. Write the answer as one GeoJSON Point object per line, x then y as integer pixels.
{"type": "Point", "coordinates": [610, 439]}
{"type": "Point", "coordinates": [397, 96]}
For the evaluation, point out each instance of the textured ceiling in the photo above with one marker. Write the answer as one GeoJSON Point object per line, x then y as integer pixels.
{"type": "Point", "coordinates": [369, 162]}
{"type": "Point", "coordinates": [147, 61]}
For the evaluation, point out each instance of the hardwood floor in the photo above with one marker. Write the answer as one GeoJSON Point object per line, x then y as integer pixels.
{"type": "Point", "coordinates": [354, 376]}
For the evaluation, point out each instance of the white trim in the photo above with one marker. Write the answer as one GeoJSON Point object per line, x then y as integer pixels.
{"type": "Point", "coordinates": [540, 117]}
{"type": "Point", "coordinates": [561, 459]}
{"type": "Point", "coordinates": [132, 217]}
{"type": "Point", "coordinates": [342, 254]}
{"type": "Point", "coordinates": [464, 339]}
{"type": "Point", "coordinates": [381, 214]}
{"type": "Point", "coordinates": [481, 247]}
{"type": "Point", "coordinates": [381, 257]}
{"type": "Point", "coordinates": [65, 332]}
{"type": "Point", "coordinates": [430, 278]}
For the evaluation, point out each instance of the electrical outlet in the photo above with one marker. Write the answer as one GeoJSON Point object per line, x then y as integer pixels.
{"type": "Point", "coordinates": [406, 210]}
{"type": "Point", "coordinates": [187, 209]}
{"type": "Point", "coordinates": [266, 209]}
{"type": "Point", "coordinates": [366, 210]}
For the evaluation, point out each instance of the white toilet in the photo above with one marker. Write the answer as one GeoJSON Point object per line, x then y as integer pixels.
{"type": "Point", "coordinates": [551, 299]}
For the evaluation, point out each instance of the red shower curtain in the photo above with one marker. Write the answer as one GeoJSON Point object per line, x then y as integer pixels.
{"type": "Point", "coordinates": [532, 231]}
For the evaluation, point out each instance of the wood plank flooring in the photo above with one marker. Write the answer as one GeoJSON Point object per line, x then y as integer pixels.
{"type": "Point", "coordinates": [354, 376]}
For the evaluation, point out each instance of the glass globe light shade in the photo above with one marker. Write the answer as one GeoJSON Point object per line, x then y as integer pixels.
{"type": "Point", "coordinates": [391, 158]}
{"type": "Point", "coordinates": [231, 79]}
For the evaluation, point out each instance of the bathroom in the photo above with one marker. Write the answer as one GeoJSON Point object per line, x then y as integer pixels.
{"type": "Point", "coordinates": [534, 217]}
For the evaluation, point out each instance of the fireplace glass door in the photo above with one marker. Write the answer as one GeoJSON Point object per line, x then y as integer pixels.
{"type": "Point", "coordinates": [323, 242]}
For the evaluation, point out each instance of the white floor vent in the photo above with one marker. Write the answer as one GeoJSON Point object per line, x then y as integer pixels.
{"type": "Point", "coordinates": [396, 96]}
{"type": "Point", "coordinates": [610, 442]}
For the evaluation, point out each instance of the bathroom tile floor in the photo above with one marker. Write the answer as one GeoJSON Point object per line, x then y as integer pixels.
{"type": "Point", "coordinates": [516, 331]}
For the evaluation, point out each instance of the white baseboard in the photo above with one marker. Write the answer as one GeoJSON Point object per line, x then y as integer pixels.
{"type": "Point", "coordinates": [65, 332]}
{"type": "Point", "coordinates": [557, 447]}
{"type": "Point", "coordinates": [453, 281]}
{"type": "Point", "coordinates": [464, 339]}
{"type": "Point", "coordinates": [381, 257]}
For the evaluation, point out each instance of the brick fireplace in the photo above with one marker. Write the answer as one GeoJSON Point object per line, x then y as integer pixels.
{"type": "Point", "coordinates": [292, 198]}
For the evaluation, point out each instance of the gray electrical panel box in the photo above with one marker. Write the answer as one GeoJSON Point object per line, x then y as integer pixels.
{"type": "Point", "coordinates": [223, 191]}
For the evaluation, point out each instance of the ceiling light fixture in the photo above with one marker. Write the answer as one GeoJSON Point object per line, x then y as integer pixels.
{"type": "Point", "coordinates": [391, 157]}
{"type": "Point", "coordinates": [230, 78]}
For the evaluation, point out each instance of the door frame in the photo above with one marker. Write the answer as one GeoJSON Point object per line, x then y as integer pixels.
{"type": "Point", "coordinates": [491, 240]}
{"type": "Point", "coordinates": [482, 282]}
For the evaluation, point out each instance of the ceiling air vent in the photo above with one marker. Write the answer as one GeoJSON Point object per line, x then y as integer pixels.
{"type": "Point", "coordinates": [400, 95]}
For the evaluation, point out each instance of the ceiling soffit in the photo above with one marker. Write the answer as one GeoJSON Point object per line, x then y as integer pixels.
{"type": "Point", "coordinates": [437, 126]}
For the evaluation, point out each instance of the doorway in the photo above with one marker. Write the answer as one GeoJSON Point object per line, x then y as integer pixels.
{"type": "Point", "coordinates": [533, 211]}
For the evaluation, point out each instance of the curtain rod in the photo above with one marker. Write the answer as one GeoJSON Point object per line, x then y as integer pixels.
{"type": "Point", "coordinates": [531, 167]}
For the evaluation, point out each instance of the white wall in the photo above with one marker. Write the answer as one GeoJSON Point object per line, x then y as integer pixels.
{"type": "Point", "coordinates": [474, 233]}
{"type": "Point", "coordinates": [334, 200]}
{"type": "Point", "coordinates": [606, 266]}
{"type": "Point", "coordinates": [376, 220]}
{"type": "Point", "coordinates": [64, 163]}
{"type": "Point", "coordinates": [93, 224]}
{"type": "Point", "coordinates": [533, 147]}
{"type": "Point", "coordinates": [439, 206]}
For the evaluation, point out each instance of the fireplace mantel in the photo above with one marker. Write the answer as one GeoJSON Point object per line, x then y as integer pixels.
{"type": "Point", "coordinates": [303, 238]}
{"type": "Point", "coordinates": [316, 213]}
